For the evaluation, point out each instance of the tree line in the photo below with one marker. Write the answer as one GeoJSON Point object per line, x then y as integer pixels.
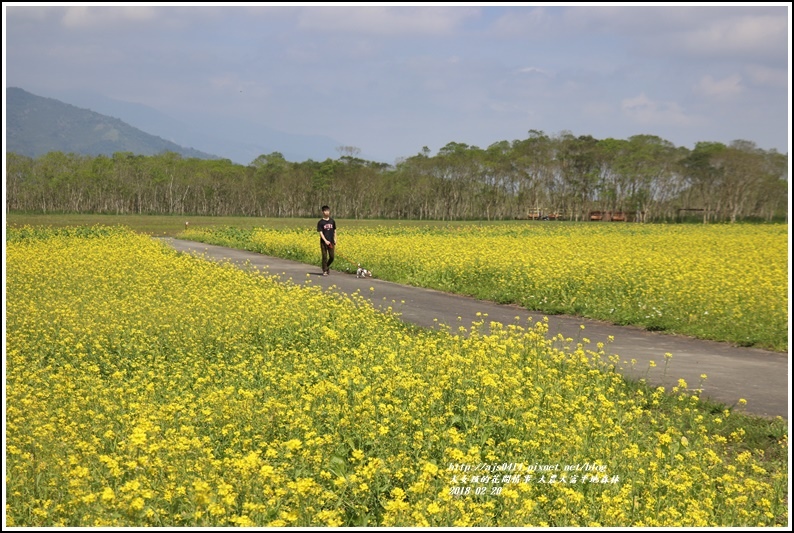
{"type": "Point", "coordinates": [643, 178]}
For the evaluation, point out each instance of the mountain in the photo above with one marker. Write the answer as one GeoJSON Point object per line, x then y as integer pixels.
{"type": "Point", "coordinates": [36, 125]}
{"type": "Point", "coordinates": [240, 141]}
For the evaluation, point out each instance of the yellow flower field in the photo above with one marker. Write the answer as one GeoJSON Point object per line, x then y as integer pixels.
{"type": "Point", "coordinates": [718, 282]}
{"type": "Point", "coordinates": [147, 387]}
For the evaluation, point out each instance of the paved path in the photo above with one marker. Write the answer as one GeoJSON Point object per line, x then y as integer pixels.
{"type": "Point", "coordinates": [758, 376]}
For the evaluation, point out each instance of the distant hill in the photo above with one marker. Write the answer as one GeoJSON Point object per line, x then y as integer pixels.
{"type": "Point", "coordinates": [242, 141]}
{"type": "Point", "coordinates": [37, 125]}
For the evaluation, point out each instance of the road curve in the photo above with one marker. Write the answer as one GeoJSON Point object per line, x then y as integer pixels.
{"type": "Point", "coordinates": [758, 376]}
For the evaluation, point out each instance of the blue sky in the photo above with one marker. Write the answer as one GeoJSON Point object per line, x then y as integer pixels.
{"type": "Point", "coordinates": [390, 79]}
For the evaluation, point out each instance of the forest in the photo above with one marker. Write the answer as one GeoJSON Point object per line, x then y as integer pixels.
{"type": "Point", "coordinates": [559, 177]}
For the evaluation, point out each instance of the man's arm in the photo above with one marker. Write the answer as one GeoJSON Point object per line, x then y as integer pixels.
{"type": "Point", "coordinates": [322, 235]}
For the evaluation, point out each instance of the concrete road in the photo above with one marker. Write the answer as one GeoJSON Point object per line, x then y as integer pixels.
{"type": "Point", "coordinates": [760, 377]}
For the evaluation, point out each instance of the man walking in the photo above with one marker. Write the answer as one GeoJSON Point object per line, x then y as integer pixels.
{"type": "Point", "coordinates": [326, 227]}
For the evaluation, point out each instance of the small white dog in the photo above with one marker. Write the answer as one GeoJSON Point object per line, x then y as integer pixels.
{"type": "Point", "coordinates": [363, 272]}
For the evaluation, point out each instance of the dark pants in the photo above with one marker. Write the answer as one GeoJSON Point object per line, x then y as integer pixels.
{"type": "Point", "coordinates": [328, 256]}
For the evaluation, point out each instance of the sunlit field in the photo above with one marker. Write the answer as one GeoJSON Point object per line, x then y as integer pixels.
{"type": "Point", "coordinates": [719, 282]}
{"type": "Point", "coordinates": [171, 225]}
{"type": "Point", "coordinates": [148, 387]}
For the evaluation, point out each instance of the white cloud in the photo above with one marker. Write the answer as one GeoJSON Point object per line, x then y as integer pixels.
{"type": "Point", "coordinates": [533, 70]}
{"type": "Point", "coordinates": [772, 77]}
{"type": "Point", "coordinates": [636, 20]}
{"type": "Point", "coordinates": [383, 20]}
{"type": "Point", "coordinates": [643, 110]}
{"type": "Point", "coordinates": [696, 31]}
{"type": "Point", "coordinates": [83, 17]}
{"type": "Point", "coordinates": [724, 88]}
{"type": "Point", "coordinates": [762, 36]}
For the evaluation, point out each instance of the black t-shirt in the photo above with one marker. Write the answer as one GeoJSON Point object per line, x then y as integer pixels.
{"type": "Point", "coordinates": [327, 227]}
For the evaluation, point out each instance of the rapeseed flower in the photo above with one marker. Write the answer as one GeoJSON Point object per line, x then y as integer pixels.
{"type": "Point", "coordinates": [146, 387]}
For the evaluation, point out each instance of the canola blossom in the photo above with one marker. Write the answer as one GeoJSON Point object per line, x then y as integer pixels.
{"type": "Point", "coordinates": [717, 282]}
{"type": "Point", "coordinates": [151, 388]}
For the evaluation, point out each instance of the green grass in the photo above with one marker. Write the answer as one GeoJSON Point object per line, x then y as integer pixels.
{"type": "Point", "coordinates": [172, 225]}
{"type": "Point", "coordinates": [147, 224]}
